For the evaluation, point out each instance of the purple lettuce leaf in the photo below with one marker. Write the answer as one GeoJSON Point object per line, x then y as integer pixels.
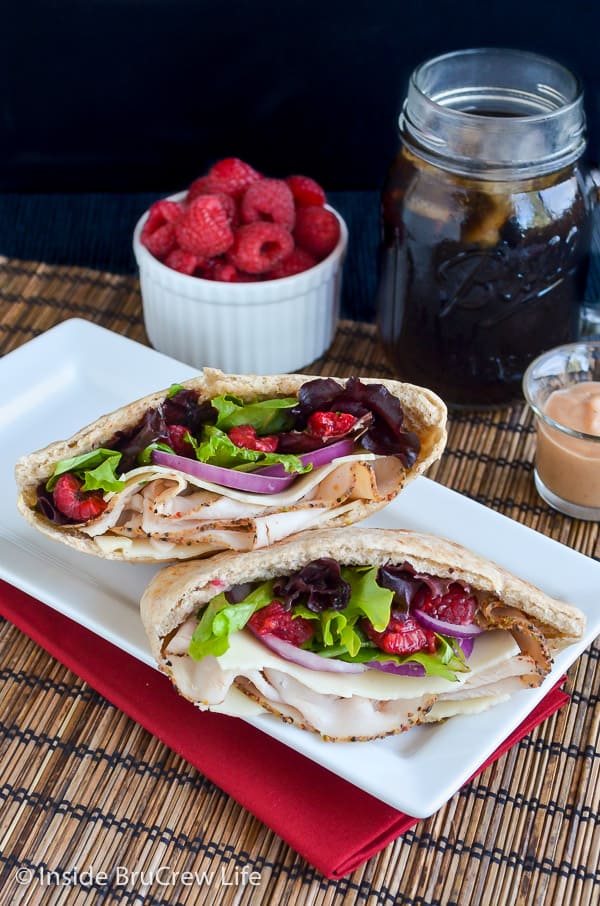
{"type": "Point", "coordinates": [318, 586]}
{"type": "Point", "coordinates": [385, 436]}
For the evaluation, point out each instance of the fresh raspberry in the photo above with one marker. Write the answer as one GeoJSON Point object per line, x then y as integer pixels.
{"type": "Point", "coordinates": [270, 200]}
{"type": "Point", "coordinates": [184, 262]}
{"type": "Point", "coordinates": [232, 176]}
{"type": "Point", "coordinates": [306, 191]}
{"type": "Point", "coordinates": [161, 242]}
{"type": "Point", "coordinates": [201, 186]}
{"type": "Point", "coordinates": [330, 424]}
{"type": "Point", "coordinates": [161, 212]}
{"type": "Point", "coordinates": [204, 228]}
{"type": "Point", "coordinates": [296, 262]}
{"type": "Point", "coordinates": [206, 186]}
{"type": "Point", "coordinates": [275, 620]}
{"type": "Point", "coordinates": [75, 503]}
{"type": "Point", "coordinates": [317, 230]}
{"type": "Point", "coordinates": [259, 246]}
{"type": "Point", "coordinates": [230, 206]}
{"type": "Point", "coordinates": [228, 273]}
{"type": "Point", "coordinates": [158, 232]}
{"type": "Point", "coordinates": [177, 435]}
{"type": "Point", "coordinates": [456, 606]}
{"type": "Point", "coordinates": [401, 636]}
{"type": "Point", "coordinates": [245, 436]}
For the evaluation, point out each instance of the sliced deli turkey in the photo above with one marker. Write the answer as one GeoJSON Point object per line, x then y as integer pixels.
{"type": "Point", "coordinates": [231, 462]}
{"type": "Point", "coordinates": [353, 633]}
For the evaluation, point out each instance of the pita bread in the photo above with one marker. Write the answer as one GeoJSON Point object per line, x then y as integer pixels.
{"type": "Point", "coordinates": [262, 523]}
{"type": "Point", "coordinates": [337, 707]}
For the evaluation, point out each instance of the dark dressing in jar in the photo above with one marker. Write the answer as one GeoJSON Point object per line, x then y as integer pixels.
{"type": "Point", "coordinates": [484, 252]}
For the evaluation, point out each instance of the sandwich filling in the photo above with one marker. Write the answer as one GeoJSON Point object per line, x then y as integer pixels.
{"type": "Point", "coordinates": [354, 652]}
{"type": "Point", "coordinates": [196, 476]}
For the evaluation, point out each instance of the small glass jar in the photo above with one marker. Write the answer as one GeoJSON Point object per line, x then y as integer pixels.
{"type": "Point", "coordinates": [486, 223]}
{"type": "Point", "coordinates": [562, 387]}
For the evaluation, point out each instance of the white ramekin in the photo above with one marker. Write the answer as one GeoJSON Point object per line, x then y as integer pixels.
{"type": "Point", "coordinates": [243, 328]}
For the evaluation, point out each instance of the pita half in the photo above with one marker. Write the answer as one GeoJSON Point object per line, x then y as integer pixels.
{"type": "Point", "coordinates": [163, 513]}
{"type": "Point", "coordinates": [515, 629]}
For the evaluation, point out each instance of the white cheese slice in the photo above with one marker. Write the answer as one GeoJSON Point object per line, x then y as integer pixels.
{"type": "Point", "coordinates": [445, 709]}
{"type": "Point", "coordinates": [136, 548]}
{"type": "Point", "coordinates": [246, 653]}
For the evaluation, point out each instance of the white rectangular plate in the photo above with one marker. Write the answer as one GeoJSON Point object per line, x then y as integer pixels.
{"type": "Point", "coordinates": [67, 377]}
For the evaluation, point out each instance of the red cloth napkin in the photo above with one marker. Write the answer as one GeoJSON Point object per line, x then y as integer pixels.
{"type": "Point", "coordinates": [285, 790]}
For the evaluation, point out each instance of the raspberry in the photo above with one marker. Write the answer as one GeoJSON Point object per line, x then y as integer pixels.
{"type": "Point", "coordinates": [317, 230]}
{"type": "Point", "coordinates": [245, 436]}
{"type": "Point", "coordinates": [297, 261]}
{"type": "Point", "coordinates": [275, 620]}
{"type": "Point", "coordinates": [230, 206]}
{"type": "Point", "coordinates": [177, 435]}
{"type": "Point", "coordinates": [161, 241]}
{"type": "Point", "coordinates": [401, 636]}
{"type": "Point", "coordinates": [161, 212]}
{"type": "Point", "coordinates": [330, 424]}
{"type": "Point", "coordinates": [204, 227]}
{"type": "Point", "coordinates": [259, 246]}
{"type": "Point", "coordinates": [73, 502]}
{"type": "Point", "coordinates": [206, 186]}
{"type": "Point", "coordinates": [228, 273]}
{"type": "Point", "coordinates": [158, 232]}
{"type": "Point", "coordinates": [456, 606]}
{"type": "Point", "coordinates": [270, 200]}
{"type": "Point", "coordinates": [232, 176]}
{"type": "Point", "coordinates": [184, 262]}
{"type": "Point", "coordinates": [201, 186]}
{"type": "Point", "coordinates": [306, 191]}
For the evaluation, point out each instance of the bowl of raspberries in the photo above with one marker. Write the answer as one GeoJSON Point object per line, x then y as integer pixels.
{"type": "Point", "coordinates": [242, 271]}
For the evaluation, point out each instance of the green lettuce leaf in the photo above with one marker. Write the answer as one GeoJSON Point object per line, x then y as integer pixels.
{"type": "Point", "coordinates": [145, 457]}
{"type": "Point", "coordinates": [97, 470]}
{"type": "Point", "coordinates": [267, 416]}
{"type": "Point", "coordinates": [368, 597]}
{"type": "Point", "coordinates": [216, 448]}
{"type": "Point", "coordinates": [339, 628]}
{"type": "Point", "coordinates": [220, 618]}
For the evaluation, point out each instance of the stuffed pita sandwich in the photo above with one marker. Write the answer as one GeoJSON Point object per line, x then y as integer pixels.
{"type": "Point", "coordinates": [353, 633]}
{"type": "Point", "coordinates": [231, 462]}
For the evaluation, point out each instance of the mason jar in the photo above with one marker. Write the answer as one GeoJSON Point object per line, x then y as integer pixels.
{"type": "Point", "coordinates": [486, 223]}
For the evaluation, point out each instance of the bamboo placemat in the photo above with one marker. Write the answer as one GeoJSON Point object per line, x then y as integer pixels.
{"type": "Point", "coordinates": [83, 785]}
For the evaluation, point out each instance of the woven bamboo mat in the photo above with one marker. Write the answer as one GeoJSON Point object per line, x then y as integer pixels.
{"type": "Point", "coordinates": [81, 784]}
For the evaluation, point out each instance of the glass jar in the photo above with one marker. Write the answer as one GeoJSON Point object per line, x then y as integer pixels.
{"type": "Point", "coordinates": [486, 223]}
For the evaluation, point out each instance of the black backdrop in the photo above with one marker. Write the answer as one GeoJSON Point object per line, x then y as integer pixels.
{"type": "Point", "coordinates": [115, 95]}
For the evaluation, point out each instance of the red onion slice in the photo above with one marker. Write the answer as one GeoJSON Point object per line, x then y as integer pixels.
{"type": "Point", "coordinates": [308, 659]}
{"type": "Point", "coordinates": [254, 482]}
{"type": "Point", "coordinates": [467, 647]}
{"type": "Point", "coordinates": [454, 630]}
{"type": "Point", "coordinates": [410, 668]}
{"type": "Point", "coordinates": [313, 661]}
{"type": "Point", "coordinates": [317, 458]}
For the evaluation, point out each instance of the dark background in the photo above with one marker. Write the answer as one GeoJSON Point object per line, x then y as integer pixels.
{"type": "Point", "coordinates": [107, 104]}
{"type": "Point", "coordinates": [144, 94]}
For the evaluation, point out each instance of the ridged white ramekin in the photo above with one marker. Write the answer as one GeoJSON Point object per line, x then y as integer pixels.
{"type": "Point", "coordinates": [245, 328]}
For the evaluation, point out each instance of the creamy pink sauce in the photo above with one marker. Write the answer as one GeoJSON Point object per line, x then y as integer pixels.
{"type": "Point", "coordinates": [569, 466]}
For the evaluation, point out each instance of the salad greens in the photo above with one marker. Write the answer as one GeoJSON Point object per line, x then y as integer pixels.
{"type": "Point", "coordinates": [337, 632]}
{"type": "Point", "coordinates": [97, 470]}
{"type": "Point", "coordinates": [215, 448]}
{"type": "Point", "coordinates": [266, 417]}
